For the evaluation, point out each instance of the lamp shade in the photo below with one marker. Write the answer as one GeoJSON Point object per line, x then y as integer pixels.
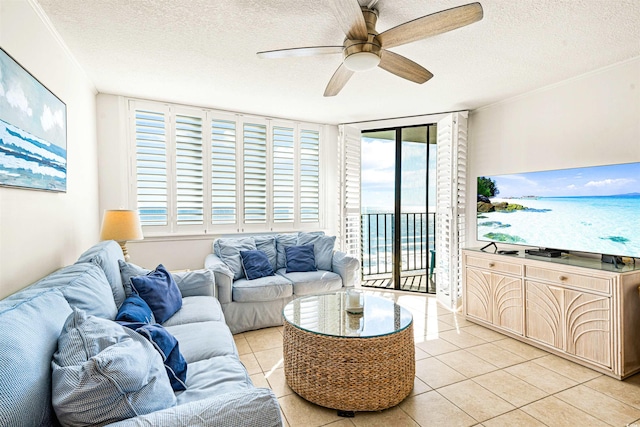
{"type": "Point", "coordinates": [121, 225]}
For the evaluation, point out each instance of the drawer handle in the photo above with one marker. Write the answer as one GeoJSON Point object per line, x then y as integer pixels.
{"type": "Point", "coordinates": [562, 278]}
{"type": "Point", "coordinates": [492, 264]}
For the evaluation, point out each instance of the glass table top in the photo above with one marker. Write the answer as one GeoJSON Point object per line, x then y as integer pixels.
{"type": "Point", "coordinates": [326, 314]}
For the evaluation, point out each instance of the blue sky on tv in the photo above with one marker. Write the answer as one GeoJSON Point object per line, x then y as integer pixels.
{"type": "Point", "coordinates": [606, 180]}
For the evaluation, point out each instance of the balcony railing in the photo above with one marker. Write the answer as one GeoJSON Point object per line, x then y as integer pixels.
{"type": "Point", "coordinates": [417, 242]}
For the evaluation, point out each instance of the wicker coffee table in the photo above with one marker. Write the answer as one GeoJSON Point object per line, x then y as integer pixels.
{"type": "Point", "coordinates": [362, 362]}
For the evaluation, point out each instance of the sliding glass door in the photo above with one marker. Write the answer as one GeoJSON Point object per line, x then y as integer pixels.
{"type": "Point", "coordinates": [398, 207]}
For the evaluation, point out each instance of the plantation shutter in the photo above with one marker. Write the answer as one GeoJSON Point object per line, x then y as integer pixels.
{"type": "Point", "coordinates": [197, 171]}
{"type": "Point", "coordinates": [309, 175]}
{"type": "Point", "coordinates": [283, 174]}
{"type": "Point", "coordinates": [450, 207]}
{"type": "Point", "coordinates": [255, 173]}
{"type": "Point", "coordinates": [151, 166]}
{"type": "Point", "coordinates": [349, 159]}
{"type": "Point", "coordinates": [223, 173]}
{"type": "Point", "coordinates": [189, 170]}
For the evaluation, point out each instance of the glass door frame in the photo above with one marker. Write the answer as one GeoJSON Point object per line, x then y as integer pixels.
{"type": "Point", "coordinates": [397, 225]}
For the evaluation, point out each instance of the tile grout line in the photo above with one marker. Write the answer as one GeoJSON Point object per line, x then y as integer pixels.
{"type": "Point", "coordinates": [555, 395]}
{"type": "Point", "coordinates": [514, 410]}
{"type": "Point", "coordinates": [474, 418]}
{"type": "Point", "coordinates": [597, 391]}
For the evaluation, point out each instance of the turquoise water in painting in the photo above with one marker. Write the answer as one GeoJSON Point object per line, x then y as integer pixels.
{"type": "Point", "coordinates": [599, 224]}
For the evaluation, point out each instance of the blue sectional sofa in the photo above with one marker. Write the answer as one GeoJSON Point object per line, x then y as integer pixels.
{"type": "Point", "coordinates": [57, 331]}
{"type": "Point", "coordinates": [258, 303]}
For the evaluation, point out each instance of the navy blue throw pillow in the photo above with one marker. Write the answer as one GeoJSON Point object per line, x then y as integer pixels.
{"type": "Point", "coordinates": [300, 258]}
{"type": "Point", "coordinates": [169, 349]}
{"type": "Point", "coordinates": [256, 264]}
{"type": "Point", "coordinates": [160, 292]}
{"type": "Point", "coordinates": [135, 309]}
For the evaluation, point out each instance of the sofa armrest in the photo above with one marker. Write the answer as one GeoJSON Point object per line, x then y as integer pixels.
{"type": "Point", "coordinates": [196, 283]}
{"type": "Point", "coordinates": [223, 277]}
{"type": "Point", "coordinates": [347, 267]}
{"type": "Point", "coordinates": [255, 407]}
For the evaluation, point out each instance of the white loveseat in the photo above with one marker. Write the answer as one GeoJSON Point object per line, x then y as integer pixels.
{"type": "Point", "coordinates": [258, 303]}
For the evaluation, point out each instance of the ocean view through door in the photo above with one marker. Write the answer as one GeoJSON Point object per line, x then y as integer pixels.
{"type": "Point", "coordinates": [398, 208]}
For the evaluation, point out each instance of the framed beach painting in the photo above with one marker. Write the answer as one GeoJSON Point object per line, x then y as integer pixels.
{"type": "Point", "coordinates": [33, 131]}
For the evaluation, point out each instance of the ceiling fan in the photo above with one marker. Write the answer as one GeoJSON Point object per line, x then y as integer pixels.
{"type": "Point", "coordinates": [364, 49]}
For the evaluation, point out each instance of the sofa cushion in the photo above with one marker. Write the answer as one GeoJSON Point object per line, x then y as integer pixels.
{"type": "Point", "coordinates": [267, 244]}
{"type": "Point", "coordinates": [262, 289]}
{"type": "Point", "coordinates": [312, 282]}
{"type": "Point", "coordinates": [300, 258]}
{"type": "Point", "coordinates": [106, 255]}
{"type": "Point", "coordinates": [255, 264]}
{"type": "Point", "coordinates": [196, 309]}
{"type": "Point", "coordinates": [191, 283]}
{"type": "Point", "coordinates": [195, 283]}
{"type": "Point", "coordinates": [135, 309]}
{"type": "Point", "coordinates": [215, 376]}
{"type": "Point", "coordinates": [127, 271]}
{"type": "Point", "coordinates": [322, 248]}
{"type": "Point", "coordinates": [169, 349]}
{"type": "Point", "coordinates": [84, 286]}
{"type": "Point", "coordinates": [160, 291]}
{"type": "Point", "coordinates": [228, 249]}
{"type": "Point", "coordinates": [200, 341]}
{"type": "Point", "coordinates": [282, 241]}
{"type": "Point", "coordinates": [104, 373]}
{"type": "Point", "coordinates": [34, 323]}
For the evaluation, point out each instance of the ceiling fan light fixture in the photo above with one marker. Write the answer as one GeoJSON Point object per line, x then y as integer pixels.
{"type": "Point", "coordinates": [361, 61]}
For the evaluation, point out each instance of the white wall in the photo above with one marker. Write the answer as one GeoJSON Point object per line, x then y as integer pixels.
{"type": "Point", "coordinates": [179, 252]}
{"type": "Point", "coordinates": [42, 231]}
{"type": "Point", "coordinates": [590, 120]}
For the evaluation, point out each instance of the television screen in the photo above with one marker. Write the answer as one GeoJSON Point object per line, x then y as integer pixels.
{"type": "Point", "coordinates": [593, 209]}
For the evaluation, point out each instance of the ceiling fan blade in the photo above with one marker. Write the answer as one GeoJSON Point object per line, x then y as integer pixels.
{"type": "Point", "coordinates": [300, 51]}
{"type": "Point", "coordinates": [431, 25]}
{"type": "Point", "coordinates": [350, 18]}
{"type": "Point", "coordinates": [338, 80]}
{"type": "Point", "coordinates": [403, 67]}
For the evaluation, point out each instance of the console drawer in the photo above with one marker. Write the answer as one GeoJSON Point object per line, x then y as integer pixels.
{"type": "Point", "coordinates": [597, 284]}
{"type": "Point", "coordinates": [493, 265]}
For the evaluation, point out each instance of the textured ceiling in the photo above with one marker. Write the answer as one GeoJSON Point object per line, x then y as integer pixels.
{"type": "Point", "coordinates": [203, 52]}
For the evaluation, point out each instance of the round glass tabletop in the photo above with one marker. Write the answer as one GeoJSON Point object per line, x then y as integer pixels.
{"type": "Point", "coordinates": [326, 314]}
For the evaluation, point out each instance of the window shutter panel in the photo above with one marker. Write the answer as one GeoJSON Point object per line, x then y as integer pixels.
{"type": "Point", "coordinates": [309, 175]}
{"type": "Point", "coordinates": [283, 174]}
{"type": "Point", "coordinates": [197, 171]}
{"type": "Point", "coordinates": [450, 207]}
{"type": "Point", "coordinates": [151, 166]}
{"type": "Point", "coordinates": [349, 158]}
{"type": "Point", "coordinates": [189, 170]}
{"type": "Point", "coordinates": [255, 173]}
{"type": "Point", "coordinates": [223, 172]}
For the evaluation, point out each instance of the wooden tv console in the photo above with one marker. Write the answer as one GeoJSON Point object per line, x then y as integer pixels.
{"type": "Point", "coordinates": [577, 308]}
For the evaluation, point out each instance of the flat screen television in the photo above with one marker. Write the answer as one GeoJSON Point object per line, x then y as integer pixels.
{"type": "Point", "coordinates": [591, 209]}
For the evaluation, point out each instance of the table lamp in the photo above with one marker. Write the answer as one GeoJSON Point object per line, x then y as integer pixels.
{"type": "Point", "coordinates": [121, 226]}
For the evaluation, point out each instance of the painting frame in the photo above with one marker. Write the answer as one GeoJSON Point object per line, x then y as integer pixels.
{"type": "Point", "coordinates": [33, 131]}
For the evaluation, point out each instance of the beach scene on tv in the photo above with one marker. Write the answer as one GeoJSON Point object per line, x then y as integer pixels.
{"type": "Point", "coordinates": [593, 209]}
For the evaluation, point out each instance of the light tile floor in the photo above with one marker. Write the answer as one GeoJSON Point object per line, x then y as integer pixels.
{"type": "Point", "coordinates": [466, 375]}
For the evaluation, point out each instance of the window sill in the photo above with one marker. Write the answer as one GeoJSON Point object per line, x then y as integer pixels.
{"type": "Point", "coordinates": [157, 237]}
